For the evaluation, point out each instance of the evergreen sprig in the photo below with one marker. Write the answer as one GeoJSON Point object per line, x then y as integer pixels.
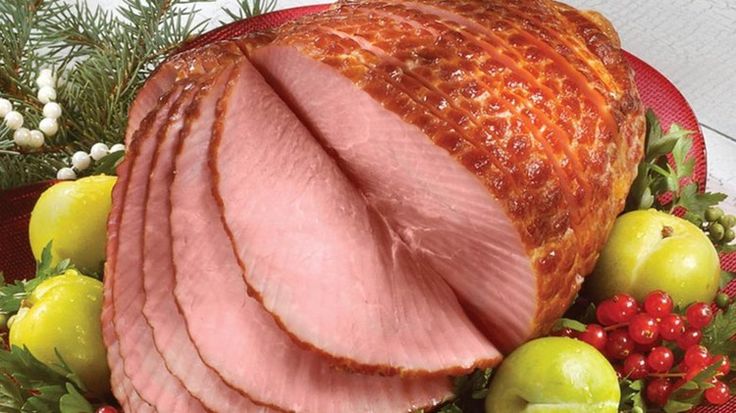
{"type": "Point", "coordinates": [103, 58]}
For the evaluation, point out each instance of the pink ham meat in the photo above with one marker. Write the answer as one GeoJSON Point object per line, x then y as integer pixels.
{"type": "Point", "coordinates": [160, 310]}
{"type": "Point", "coordinates": [293, 197]}
{"type": "Point", "coordinates": [143, 365]}
{"type": "Point", "coordinates": [231, 331]}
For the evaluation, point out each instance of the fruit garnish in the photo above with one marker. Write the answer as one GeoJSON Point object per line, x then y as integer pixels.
{"type": "Point", "coordinates": [668, 359]}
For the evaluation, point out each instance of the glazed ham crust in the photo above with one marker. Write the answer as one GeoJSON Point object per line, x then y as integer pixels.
{"type": "Point", "coordinates": [423, 188]}
{"type": "Point", "coordinates": [563, 159]}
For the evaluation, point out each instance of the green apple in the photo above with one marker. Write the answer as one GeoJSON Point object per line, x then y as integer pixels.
{"type": "Point", "coordinates": [651, 250]}
{"type": "Point", "coordinates": [73, 214]}
{"type": "Point", "coordinates": [63, 314]}
{"type": "Point", "coordinates": [554, 375]}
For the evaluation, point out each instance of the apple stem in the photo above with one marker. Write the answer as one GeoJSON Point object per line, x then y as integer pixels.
{"type": "Point", "coordinates": [667, 231]}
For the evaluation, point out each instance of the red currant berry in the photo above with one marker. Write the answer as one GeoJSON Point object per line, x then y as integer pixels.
{"type": "Point", "coordinates": [619, 345]}
{"type": "Point", "coordinates": [699, 315]}
{"type": "Point", "coordinates": [689, 338]}
{"type": "Point", "coordinates": [724, 364]}
{"type": "Point", "coordinates": [107, 409]}
{"type": "Point", "coordinates": [594, 335]}
{"type": "Point", "coordinates": [658, 303]}
{"type": "Point", "coordinates": [635, 366]}
{"type": "Point", "coordinates": [643, 329]}
{"type": "Point", "coordinates": [625, 307]}
{"type": "Point", "coordinates": [718, 394]}
{"type": "Point", "coordinates": [671, 327]}
{"type": "Point", "coordinates": [604, 312]}
{"type": "Point", "coordinates": [697, 357]}
{"type": "Point", "coordinates": [660, 359]}
{"type": "Point", "coordinates": [658, 390]}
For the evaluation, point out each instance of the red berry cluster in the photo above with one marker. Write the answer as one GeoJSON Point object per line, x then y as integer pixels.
{"type": "Point", "coordinates": [638, 340]}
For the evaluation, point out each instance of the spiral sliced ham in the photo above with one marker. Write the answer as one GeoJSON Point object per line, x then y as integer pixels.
{"type": "Point", "coordinates": [262, 350]}
{"type": "Point", "coordinates": [403, 188]}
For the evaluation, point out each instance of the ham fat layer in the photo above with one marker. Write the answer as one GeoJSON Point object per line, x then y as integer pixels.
{"type": "Point", "coordinates": [403, 188]}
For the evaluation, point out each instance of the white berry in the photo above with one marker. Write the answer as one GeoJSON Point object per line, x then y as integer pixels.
{"type": "Point", "coordinates": [36, 139]}
{"type": "Point", "coordinates": [117, 147]}
{"type": "Point", "coordinates": [5, 107]}
{"type": "Point", "coordinates": [52, 110]}
{"type": "Point", "coordinates": [48, 126]}
{"type": "Point", "coordinates": [81, 160]}
{"type": "Point", "coordinates": [42, 81]}
{"type": "Point", "coordinates": [66, 174]}
{"type": "Point", "coordinates": [21, 137]}
{"type": "Point", "coordinates": [46, 94]}
{"type": "Point", "coordinates": [98, 151]}
{"type": "Point", "coordinates": [46, 72]}
{"type": "Point", "coordinates": [13, 120]}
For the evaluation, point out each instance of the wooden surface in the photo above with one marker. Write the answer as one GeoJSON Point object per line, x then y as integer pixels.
{"type": "Point", "coordinates": [692, 42]}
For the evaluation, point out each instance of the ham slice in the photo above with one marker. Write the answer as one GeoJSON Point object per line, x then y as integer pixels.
{"type": "Point", "coordinates": [160, 309]}
{"type": "Point", "coordinates": [269, 368]}
{"type": "Point", "coordinates": [143, 365]}
{"type": "Point", "coordinates": [121, 385]}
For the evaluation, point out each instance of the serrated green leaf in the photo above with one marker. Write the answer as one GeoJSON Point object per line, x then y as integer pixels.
{"type": "Point", "coordinates": [35, 387]}
{"type": "Point", "coordinates": [717, 335]}
{"type": "Point", "coordinates": [74, 402]}
{"type": "Point", "coordinates": [695, 202]}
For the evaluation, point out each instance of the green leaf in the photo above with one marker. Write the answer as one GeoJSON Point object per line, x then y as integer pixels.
{"type": "Point", "coordinates": [718, 334]}
{"type": "Point", "coordinates": [108, 163]}
{"type": "Point", "coordinates": [34, 386]}
{"type": "Point", "coordinates": [684, 163]}
{"type": "Point", "coordinates": [74, 402]}
{"type": "Point", "coordinates": [696, 203]}
{"type": "Point", "coordinates": [631, 397]}
{"type": "Point", "coordinates": [674, 406]}
{"type": "Point", "coordinates": [12, 295]}
{"type": "Point", "coordinates": [470, 391]}
{"type": "Point", "coordinates": [568, 323]}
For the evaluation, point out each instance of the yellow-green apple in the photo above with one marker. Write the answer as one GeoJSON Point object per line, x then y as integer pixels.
{"type": "Point", "coordinates": [554, 375]}
{"type": "Point", "coordinates": [63, 314]}
{"type": "Point", "coordinates": [651, 250]}
{"type": "Point", "coordinates": [73, 214]}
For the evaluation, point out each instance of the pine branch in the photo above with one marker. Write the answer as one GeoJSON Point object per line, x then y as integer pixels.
{"type": "Point", "coordinates": [248, 8]}
{"type": "Point", "coordinates": [103, 58]}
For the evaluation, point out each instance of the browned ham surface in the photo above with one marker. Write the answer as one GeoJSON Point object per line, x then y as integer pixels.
{"type": "Point", "coordinates": [388, 188]}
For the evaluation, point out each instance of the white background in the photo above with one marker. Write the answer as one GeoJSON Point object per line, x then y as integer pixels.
{"type": "Point", "coordinates": [693, 42]}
